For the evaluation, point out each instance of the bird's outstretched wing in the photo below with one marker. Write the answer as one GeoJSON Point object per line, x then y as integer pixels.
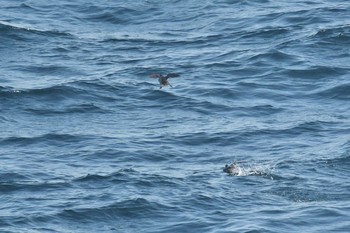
{"type": "Point", "coordinates": [155, 76]}
{"type": "Point", "coordinates": [172, 75]}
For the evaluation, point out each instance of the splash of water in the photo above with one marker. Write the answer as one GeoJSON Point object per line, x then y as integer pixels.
{"type": "Point", "coordinates": [247, 169]}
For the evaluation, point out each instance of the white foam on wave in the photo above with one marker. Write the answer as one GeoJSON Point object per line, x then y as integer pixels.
{"type": "Point", "coordinates": [20, 26]}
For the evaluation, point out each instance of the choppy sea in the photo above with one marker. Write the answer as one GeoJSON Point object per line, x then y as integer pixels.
{"type": "Point", "coordinates": [90, 143]}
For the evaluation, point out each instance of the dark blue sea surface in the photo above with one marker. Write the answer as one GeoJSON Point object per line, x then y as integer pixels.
{"type": "Point", "coordinates": [90, 143]}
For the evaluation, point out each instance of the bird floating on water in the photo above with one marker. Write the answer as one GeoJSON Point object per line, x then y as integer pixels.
{"type": "Point", "coordinates": [163, 80]}
{"type": "Point", "coordinates": [231, 169]}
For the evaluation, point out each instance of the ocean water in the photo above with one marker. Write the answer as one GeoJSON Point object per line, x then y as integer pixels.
{"type": "Point", "coordinates": [90, 143]}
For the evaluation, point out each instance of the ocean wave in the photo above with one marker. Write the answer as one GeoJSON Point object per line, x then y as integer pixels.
{"type": "Point", "coordinates": [340, 92]}
{"type": "Point", "coordinates": [48, 70]}
{"type": "Point", "coordinates": [129, 176]}
{"type": "Point", "coordinates": [315, 72]}
{"type": "Point", "coordinates": [103, 17]}
{"type": "Point", "coordinates": [122, 175]}
{"type": "Point", "coordinates": [10, 177]}
{"type": "Point", "coordinates": [226, 137]}
{"type": "Point", "coordinates": [273, 55]}
{"type": "Point", "coordinates": [56, 93]}
{"type": "Point", "coordinates": [341, 162]}
{"type": "Point", "coordinates": [7, 91]}
{"type": "Point", "coordinates": [117, 14]}
{"type": "Point", "coordinates": [298, 194]}
{"type": "Point", "coordinates": [130, 208]}
{"type": "Point", "coordinates": [71, 92]}
{"type": "Point", "coordinates": [266, 33]}
{"type": "Point", "coordinates": [70, 109]}
{"type": "Point", "coordinates": [160, 40]}
{"type": "Point", "coordinates": [44, 138]}
{"type": "Point", "coordinates": [339, 35]}
{"type": "Point", "coordinates": [22, 31]}
{"type": "Point", "coordinates": [32, 186]}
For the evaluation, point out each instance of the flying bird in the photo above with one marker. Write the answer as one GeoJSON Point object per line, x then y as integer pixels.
{"type": "Point", "coordinates": [163, 80]}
